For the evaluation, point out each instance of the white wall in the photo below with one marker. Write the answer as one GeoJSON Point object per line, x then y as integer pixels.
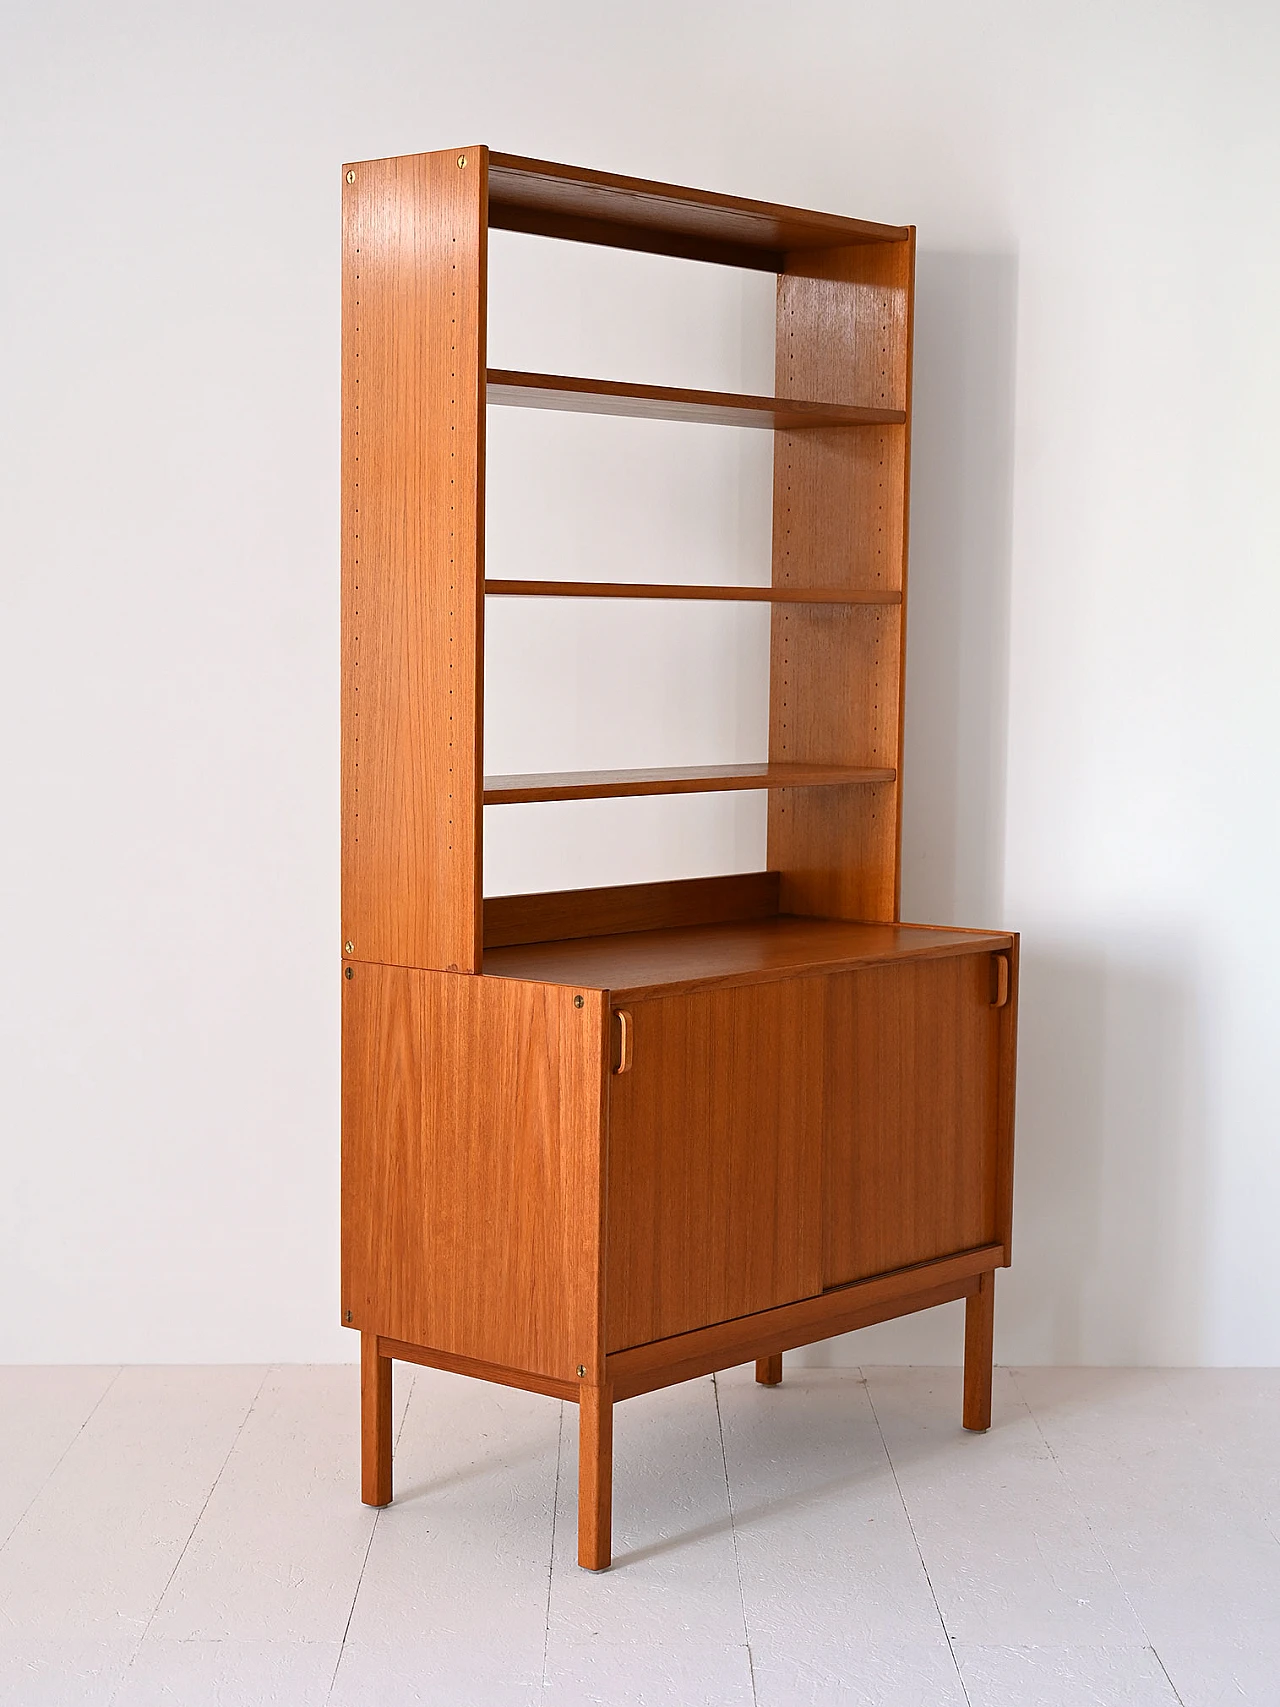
{"type": "Point", "coordinates": [1094, 698]}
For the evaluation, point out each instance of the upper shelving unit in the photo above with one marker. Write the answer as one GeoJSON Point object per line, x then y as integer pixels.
{"type": "Point", "coordinates": [550, 200]}
{"type": "Point", "coordinates": [677, 403]}
{"type": "Point", "coordinates": [416, 384]}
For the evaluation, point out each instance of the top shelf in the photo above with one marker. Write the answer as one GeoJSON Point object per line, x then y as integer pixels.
{"type": "Point", "coordinates": [550, 200]}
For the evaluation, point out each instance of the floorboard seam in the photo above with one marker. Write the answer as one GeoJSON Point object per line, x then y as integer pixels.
{"type": "Point", "coordinates": [1172, 1685]}
{"type": "Point", "coordinates": [906, 1512]}
{"type": "Point", "coordinates": [551, 1555]}
{"type": "Point", "coordinates": [54, 1468]}
{"type": "Point", "coordinates": [368, 1546]}
{"type": "Point", "coordinates": [204, 1506]}
{"type": "Point", "coordinates": [733, 1537]}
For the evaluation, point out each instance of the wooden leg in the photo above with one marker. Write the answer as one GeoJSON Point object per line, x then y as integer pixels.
{"type": "Point", "coordinates": [595, 1477]}
{"type": "Point", "coordinates": [979, 1320]}
{"type": "Point", "coordinates": [375, 1423]}
{"type": "Point", "coordinates": [769, 1370]}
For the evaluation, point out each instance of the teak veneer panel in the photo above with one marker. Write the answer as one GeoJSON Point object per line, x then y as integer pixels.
{"type": "Point", "coordinates": [500, 1373]}
{"type": "Point", "coordinates": [678, 403]}
{"type": "Point", "coordinates": [413, 330]}
{"type": "Point", "coordinates": [714, 1160]}
{"type": "Point", "coordinates": [1008, 1022]}
{"type": "Point", "coordinates": [840, 518]}
{"type": "Point", "coordinates": [472, 1163]}
{"type": "Point", "coordinates": [910, 1169]}
{"type": "Point", "coordinates": [553, 916]}
{"type": "Point", "coordinates": [840, 1310]}
{"type": "Point", "coordinates": [679, 779]}
{"type": "Point", "coordinates": [660, 1363]}
{"type": "Point", "coordinates": [663, 962]}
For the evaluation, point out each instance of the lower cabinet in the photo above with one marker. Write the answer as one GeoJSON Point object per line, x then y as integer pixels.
{"type": "Point", "coordinates": [769, 1141]}
{"type": "Point", "coordinates": [592, 1194]}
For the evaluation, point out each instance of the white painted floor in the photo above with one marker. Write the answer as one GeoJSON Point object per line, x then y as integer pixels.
{"type": "Point", "coordinates": [195, 1536]}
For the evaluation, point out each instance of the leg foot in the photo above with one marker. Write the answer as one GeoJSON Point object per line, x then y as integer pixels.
{"type": "Point", "coordinates": [979, 1320]}
{"type": "Point", "coordinates": [375, 1423]}
{"type": "Point", "coordinates": [769, 1370]}
{"type": "Point", "coordinates": [595, 1477]}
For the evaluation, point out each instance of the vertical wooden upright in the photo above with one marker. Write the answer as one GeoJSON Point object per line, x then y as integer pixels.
{"type": "Point", "coordinates": [844, 325]}
{"type": "Point", "coordinates": [413, 406]}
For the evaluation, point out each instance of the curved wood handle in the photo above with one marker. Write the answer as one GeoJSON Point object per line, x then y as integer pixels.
{"type": "Point", "coordinates": [1002, 980]}
{"type": "Point", "coordinates": [625, 1045]}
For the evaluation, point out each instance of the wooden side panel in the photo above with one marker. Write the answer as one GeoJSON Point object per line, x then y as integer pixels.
{"type": "Point", "coordinates": [714, 1160]}
{"type": "Point", "coordinates": [472, 1155]}
{"type": "Point", "coordinates": [1008, 1024]}
{"type": "Point", "coordinates": [911, 1152]}
{"type": "Point", "coordinates": [840, 519]}
{"type": "Point", "coordinates": [570, 913]}
{"type": "Point", "coordinates": [413, 408]}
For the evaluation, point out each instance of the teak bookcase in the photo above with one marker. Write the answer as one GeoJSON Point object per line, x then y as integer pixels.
{"type": "Point", "coordinates": [600, 1141]}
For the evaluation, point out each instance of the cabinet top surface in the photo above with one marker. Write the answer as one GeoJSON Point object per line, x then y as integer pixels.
{"type": "Point", "coordinates": [670, 962]}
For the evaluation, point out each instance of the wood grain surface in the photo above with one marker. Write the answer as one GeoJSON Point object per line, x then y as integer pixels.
{"type": "Point", "coordinates": [714, 1160]}
{"type": "Point", "coordinates": [910, 1155]}
{"type": "Point", "coordinates": [678, 403]}
{"type": "Point", "coordinates": [979, 1327]}
{"type": "Point", "coordinates": [679, 590]}
{"type": "Point", "coordinates": [840, 1310]}
{"type": "Point", "coordinates": [844, 321]}
{"type": "Point", "coordinates": [501, 1374]}
{"type": "Point", "coordinates": [595, 1477]}
{"type": "Point", "coordinates": [413, 336]}
{"type": "Point", "coordinates": [636, 964]}
{"type": "Point", "coordinates": [375, 1422]}
{"type": "Point", "coordinates": [566, 913]}
{"type": "Point", "coordinates": [674, 779]}
{"type": "Point", "coordinates": [472, 1160]}
{"type": "Point", "coordinates": [584, 206]}
{"type": "Point", "coordinates": [1007, 1026]}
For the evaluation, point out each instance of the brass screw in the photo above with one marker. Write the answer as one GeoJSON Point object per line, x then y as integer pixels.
{"type": "Point", "coordinates": [351, 177]}
{"type": "Point", "coordinates": [462, 160]}
{"type": "Point", "coordinates": [348, 948]}
{"type": "Point", "coordinates": [349, 973]}
{"type": "Point", "coordinates": [577, 1001]}
{"type": "Point", "coordinates": [348, 1316]}
{"type": "Point", "coordinates": [582, 1370]}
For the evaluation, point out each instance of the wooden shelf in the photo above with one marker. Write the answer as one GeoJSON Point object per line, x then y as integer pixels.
{"type": "Point", "coordinates": [676, 403]}
{"type": "Point", "coordinates": [634, 964]}
{"type": "Point", "coordinates": [685, 779]}
{"type": "Point", "coordinates": [550, 200]}
{"type": "Point", "coordinates": [677, 590]}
